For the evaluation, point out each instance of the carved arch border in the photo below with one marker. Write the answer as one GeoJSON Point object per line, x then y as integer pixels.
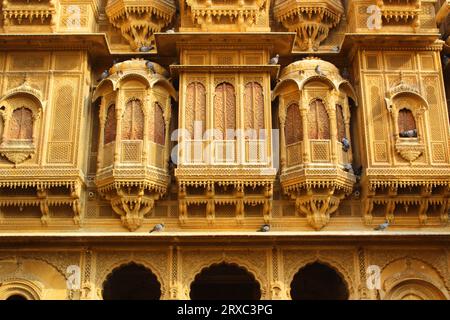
{"type": "Point", "coordinates": [233, 260]}
{"type": "Point", "coordinates": [62, 272]}
{"type": "Point", "coordinates": [19, 286]}
{"type": "Point", "coordinates": [329, 262]}
{"type": "Point", "coordinates": [429, 264]}
{"type": "Point", "coordinates": [100, 281]}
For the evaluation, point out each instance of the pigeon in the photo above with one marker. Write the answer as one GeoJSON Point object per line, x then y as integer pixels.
{"type": "Point", "coordinates": [145, 48]}
{"type": "Point", "coordinates": [445, 60]}
{"type": "Point", "coordinates": [275, 59]}
{"type": "Point", "coordinates": [335, 49]}
{"type": "Point", "coordinates": [409, 133]}
{"type": "Point", "coordinates": [150, 66]}
{"type": "Point", "coordinates": [358, 171]}
{"type": "Point", "coordinates": [104, 75]}
{"type": "Point", "coordinates": [264, 228]}
{"type": "Point", "coordinates": [382, 226]}
{"type": "Point", "coordinates": [345, 74]}
{"type": "Point", "coordinates": [348, 167]}
{"type": "Point", "coordinates": [158, 228]}
{"type": "Point", "coordinates": [319, 71]}
{"type": "Point", "coordinates": [345, 144]}
{"type": "Point", "coordinates": [170, 30]}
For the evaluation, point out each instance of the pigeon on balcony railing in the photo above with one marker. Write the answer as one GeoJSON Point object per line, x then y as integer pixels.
{"type": "Point", "coordinates": [145, 48]}
{"type": "Point", "coordinates": [382, 226]}
{"type": "Point", "coordinates": [409, 133]}
{"type": "Point", "coordinates": [345, 144]}
{"type": "Point", "coordinates": [264, 228]}
{"type": "Point", "coordinates": [275, 59]}
{"type": "Point", "coordinates": [158, 228]}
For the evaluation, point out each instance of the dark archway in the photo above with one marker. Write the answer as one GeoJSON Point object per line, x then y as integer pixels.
{"type": "Point", "coordinates": [317, 281]}
{"type": "Point", "coordinates": [16, 297]}
{"type": "Point", "coordinates": [131, 282]}
{"type": "Point", "coordinates": [225, 282]}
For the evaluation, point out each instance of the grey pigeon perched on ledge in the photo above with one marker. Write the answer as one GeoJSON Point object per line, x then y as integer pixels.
{"type": "Point", "coordinates": [150, 66]}
{"type": "Point", "coordinates": [264, 228]}
{"type": "Point", "coordinates": [158, 228]}
{"type": "Point", "coordinates": [104, 75]}
{"type": "Point", "coordinates": [345, 144]}
{"type": "Point", "coordinates": [275, 59]}
{"type": "Point", "coordinates": [382, 226]}
{"type": "Point", "coordinates": [348, 167]}
{"type": "Point", "coordinates": [170, 30]}
{"type": "Point", "coordinates": [409, 133]}
{"type": "Point", "coordinates": [319, 71]}
{"type": "Point", "coordinates": [145, 48]}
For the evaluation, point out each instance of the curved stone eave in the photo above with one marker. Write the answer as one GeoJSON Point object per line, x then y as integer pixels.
{"type": "Point", "coordinates": [276, 91]}
{"type": "Point", "coordinates": [323, 79]}
{"type": "Point", "coordinates": [23, 91]}
{"type": "Point", "coordinates": [350, 90]}
{"type": "Point", "coordinates": [407, 92]}
{"type": "Point", "coordinates": [167, 85]}
{"type": "Point", "coordinates": [98, 93]}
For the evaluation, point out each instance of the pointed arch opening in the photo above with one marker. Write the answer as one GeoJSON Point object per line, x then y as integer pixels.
{"type": "Point", "coordinates": [110, 125]}
{"type": "Point", "coordinates": [318, 121]}
{"type": "Point", "coordinates": [318, 281]}
{"type": "Point", "coordinates": [195, 109]}
{"type": "Point", "coordinates": [225, 281]}
{"type": "Point", "coordinates": [131, 282]}
{"type": "Point", "coordinates": [133, 121]}
{"type": "Point", "coordinates": [224, 111]}
{"type": "Point", "coordinates": [293, 128]}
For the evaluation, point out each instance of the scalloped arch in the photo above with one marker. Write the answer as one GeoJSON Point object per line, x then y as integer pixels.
{"type": "Point", "coordinates": [232, 261]}
{"type": "Point", "coordinates": [125, 262]}
{"type": "Point", "coordinates": [336, 266]}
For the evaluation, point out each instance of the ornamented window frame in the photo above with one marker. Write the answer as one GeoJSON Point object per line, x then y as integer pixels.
{"type": "Point", "coordinates": [403, 96]}
{"type": "Point", "coordinates": [19, 150]}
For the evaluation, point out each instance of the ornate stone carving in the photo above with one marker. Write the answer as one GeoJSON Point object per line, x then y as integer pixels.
{"type": "Point", "coordinates": [212, 14]}
{"type": "Point", "coordinates": [138, 20]}
{"type": "Point", "coordinates": [311, 20]}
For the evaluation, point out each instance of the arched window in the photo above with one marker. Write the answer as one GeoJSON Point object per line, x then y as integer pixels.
{"type": "Point", "coordinates": [159, 126]}
{"type": "Point", "coordinates": [293, 127]}
{"type": "Point", "coordinates": [406, 124]}
{"type": "Point", "coordinates": [21, 124]}
{"type": "Point", "coordinates": [224, 110]}
{"type": "Point", "coordinates": [2, 125]}
{"type": "Point", "coordinates": [253, 109]}
{"type": "Point", "coordinates": [133, 121]}
{"type": "Point", "coordinates": [340, 123]}
{"type": "Point", "coordinates": [196, 108]}
{"type": "Point", "coordinates": [110, 125]}
{"type": "Point", "coordinates": [318, 122]}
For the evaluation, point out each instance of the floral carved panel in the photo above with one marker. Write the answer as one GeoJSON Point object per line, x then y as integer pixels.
{"type": "Point", "coordinates": [293, 127]}
{"type": "Point", "coordinates": [21, 125]}
{"type": "Point", "coordinates": [159, 127]}
{"type": "Point", "coordinates": [110, 125]}
{"type": "Point", "coordinates": [254, 108]}
{"type": "Point", "coordinates": [224, 109]}
{"type": "Point", "coordinates": [195, 107]}
{"type": "Point", "coordinates": [319, 124]}
{"type": "Point", "coordinates": [133, 121]}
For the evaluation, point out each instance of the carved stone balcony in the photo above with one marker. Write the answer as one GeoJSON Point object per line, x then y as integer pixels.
{"type": "Point", "coordinates": [233, 15]}
{"type": "Point", "coordinates": [312, 20]}
{"type": "Point", "coordinates": [316, 153]}
{"type": "Point", "coordinates": [400, 12]}
{"type": "Point", "coordinates": [135, 112]}
{"type": "Point", "coordinates": [138, 20]}
{"type": "Point", "coordinates": [38, 14]}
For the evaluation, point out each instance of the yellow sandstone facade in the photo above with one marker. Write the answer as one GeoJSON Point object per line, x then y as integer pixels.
{"type": "Point", "coordinates": [276, 149]}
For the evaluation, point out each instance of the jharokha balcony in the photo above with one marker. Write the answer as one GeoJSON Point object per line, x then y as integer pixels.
{"type": "Point", "coordinates": [316, 152]}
